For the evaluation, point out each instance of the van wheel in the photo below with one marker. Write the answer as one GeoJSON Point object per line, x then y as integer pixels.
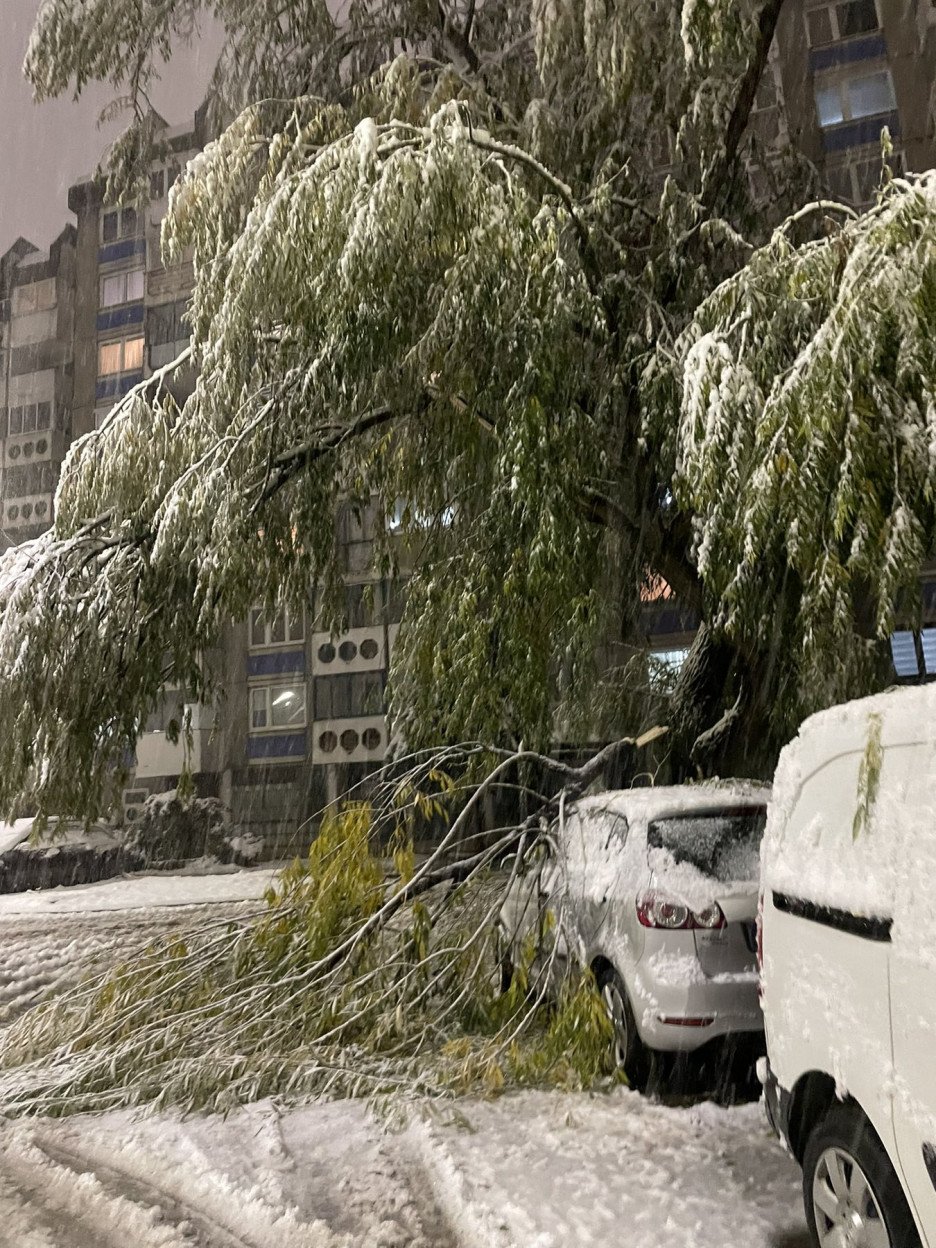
{"type": "Point", "coordinates": [851, 1192]}
{"type": "Point", "coordinates": [629, 1053]}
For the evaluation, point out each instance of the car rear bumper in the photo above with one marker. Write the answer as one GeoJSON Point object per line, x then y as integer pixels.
{"type": "Point", "coordinates": [674, 1015]}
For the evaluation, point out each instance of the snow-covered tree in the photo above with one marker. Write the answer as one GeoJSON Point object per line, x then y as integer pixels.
{"type": "Point", "coordinates": [437, 261]}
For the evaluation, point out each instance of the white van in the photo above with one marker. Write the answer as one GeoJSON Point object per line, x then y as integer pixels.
{"type": "Point", "coordinates": [848, 967]}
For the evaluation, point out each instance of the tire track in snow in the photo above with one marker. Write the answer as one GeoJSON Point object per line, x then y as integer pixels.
{"type": "Point", "coordinates": [208, 1219]}
{"type": "Point", "coordinates": [196, 1228]}
{"type": "Point", "coordinates": [44, 1205]}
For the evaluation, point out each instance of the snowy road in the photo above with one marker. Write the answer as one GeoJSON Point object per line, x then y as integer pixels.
{"type": "Point", "coordinates": [49, 937]}
{"type": "Point", "coordinates": [534, 1170]}
{"type": "Point", "coordinates": [531, 1170]}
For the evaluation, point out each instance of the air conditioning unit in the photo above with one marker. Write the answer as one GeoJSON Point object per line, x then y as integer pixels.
{"type": "Point", "coordinates": [133, 800]}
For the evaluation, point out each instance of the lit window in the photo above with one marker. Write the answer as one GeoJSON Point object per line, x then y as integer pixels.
{"type": "Point", "coordinates": [119, 288]}
{"type": "Point", "coordinates": [110, 356]}
{"type": "Point", "coordinates": [286, 626]}
{"type": "Point", "coordinates": [850, 98]}
{"type": "Point", "coordinates": [872, 94]}
{"type": "Point", "coordinates": [133, 355]}
{"type": "Point", "coordinates": [829, 105]}
{"type": "Point", "coordinates": [120, 357]}
{"type": "Point", "coordinates": [665, 666]}
{"type": "Point", "coordinates": [903, 651]}
{"type": "Point", "coordinates": [277, 706]}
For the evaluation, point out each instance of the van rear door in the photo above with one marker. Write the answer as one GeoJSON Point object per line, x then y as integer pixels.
{"type": "Point", "coordinates": [913, 982]}
{"type": "Point", "coordinates": [826, 925]}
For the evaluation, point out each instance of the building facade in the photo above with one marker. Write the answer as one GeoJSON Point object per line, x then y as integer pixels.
{"type": "Point", "coordinates": [37, 309]}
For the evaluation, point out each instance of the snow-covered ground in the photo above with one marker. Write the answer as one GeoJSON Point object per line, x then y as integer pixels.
{"type": "Point", "coordinates": [144, 891]}
{"type": "Point", "coordinates": [51, 936]}
{"type": "Point", "coordinates": [532, 1170]}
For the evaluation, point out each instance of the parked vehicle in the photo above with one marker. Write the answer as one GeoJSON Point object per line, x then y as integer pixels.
{"type": "Point", "coordinates": [848, 934]}
{"type": "Point", "coordinates": [656, 891]}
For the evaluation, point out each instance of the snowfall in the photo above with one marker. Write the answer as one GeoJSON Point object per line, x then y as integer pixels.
{"type": "Point", "coordinates": [527, 1170]}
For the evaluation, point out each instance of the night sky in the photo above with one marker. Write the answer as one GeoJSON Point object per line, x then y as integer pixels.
{"type": "Point", "coordinates": [46, 147]}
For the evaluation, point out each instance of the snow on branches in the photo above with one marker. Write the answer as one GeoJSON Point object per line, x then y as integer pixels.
{"type": "Point", "coordinates": [337, 339]}
{"type": "Point", "coordinates": [805, 448]}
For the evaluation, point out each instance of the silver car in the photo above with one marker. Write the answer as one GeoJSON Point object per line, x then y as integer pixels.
{"type": "Point", "coordinates": [656, 891]}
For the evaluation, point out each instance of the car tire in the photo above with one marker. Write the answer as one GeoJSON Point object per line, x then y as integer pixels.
{"type": "Point", "coordinates": [848, 1181]}
{"type": "Point", "coordinates": [630, 1055]}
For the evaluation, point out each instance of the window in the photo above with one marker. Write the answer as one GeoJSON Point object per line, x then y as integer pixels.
{"type": "Point", "coordinates": [359, 605]}
{"type": "Point", "coordinates": [30, 418]}
{"type": "Point", "coordinates": [721, 844]}
{"type": "Point", "coordinates": [844, 20]}
{"type": "Point", "coordinates": [870, 95]}
{"type": "Point", "coordinates": [118, 223]}
{"type": "Point", "coordinates": [914, 654]}
{"type": "Point", "coordinates": [120, 357]}
{"type": "Point", "coordinates": [856, 17]}
{"type": "Point", "coordinates": [349, 695]}
{"type": "Point", "coordinates": [665, 666]}
{"type": "Point", "coordinates": [34, 297]}
{"type": "Point", "coordinates": [119, 288]}
{"type": "Point", "coordinates": [850, 98]}
{"type": "Point", "coordinates": [284, 627]}
{"type": "Point", "coordinates": [394, 593]}
{"type": "Point", "coordinates": [162, 181]}
{"type": "Point", "coordinates": [167, 332]}
{"type": "Point", "coordinates": [277, 706]}
{"type": "Point", "coordinates": [858, 181]}
{"type": "Point", "coordinates": [169, 709]}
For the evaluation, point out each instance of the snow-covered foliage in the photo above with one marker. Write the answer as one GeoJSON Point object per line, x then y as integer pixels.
{"type": "Point", "coordinates": [432, 258]}
{"type": "Point", "coordinates": [351, 982]}
{"type": "Point", "coordinates": [437, 264]}
{"type": "Point", "coordinates": [806, 443]}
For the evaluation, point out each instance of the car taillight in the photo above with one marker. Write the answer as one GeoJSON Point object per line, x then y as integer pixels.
{"type": "Point", "coordinates": [655, 909]}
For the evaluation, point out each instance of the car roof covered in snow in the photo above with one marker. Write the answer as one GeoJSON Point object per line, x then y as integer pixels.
{"type": "Point", "coordinates": [653, 803]}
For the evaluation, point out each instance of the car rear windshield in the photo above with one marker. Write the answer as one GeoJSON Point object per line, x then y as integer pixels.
{"type": "Point", "coordinates": [723, 844]}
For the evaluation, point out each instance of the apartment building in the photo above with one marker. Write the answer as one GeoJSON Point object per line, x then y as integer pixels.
{"type": "Point", "coordinates": [302, 717]}
{"type": "Point", "coordinates": [37, 305]}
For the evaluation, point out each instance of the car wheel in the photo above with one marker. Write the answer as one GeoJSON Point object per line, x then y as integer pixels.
{"type": "Point", "coordinates": [629, 1052]}
{"type": "Point", "coordinates": [853, 1196]}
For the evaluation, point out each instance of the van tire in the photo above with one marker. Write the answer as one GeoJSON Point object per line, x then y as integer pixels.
{"type": "Point", "coordinates": [629, 1053]}
{"type": "Point", "coordinates": [846, 1130]}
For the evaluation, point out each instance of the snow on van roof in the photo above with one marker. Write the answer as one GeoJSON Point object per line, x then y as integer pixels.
{"type": "Point", "coordinates": [908, 705]}
{"type": "Point", "coordinates": [815, 845]}
{"type": "Point", "coordinates": [650, 802]}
